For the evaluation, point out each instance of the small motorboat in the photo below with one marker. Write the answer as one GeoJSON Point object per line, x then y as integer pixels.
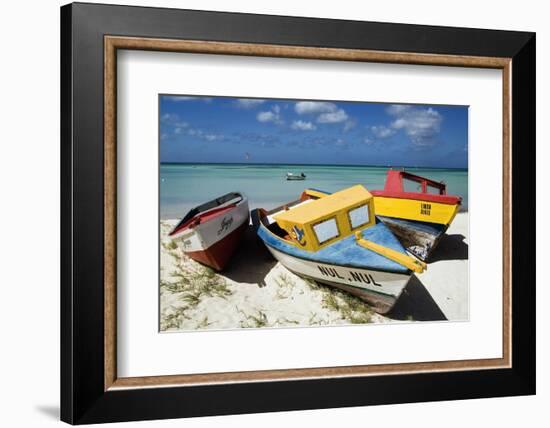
{"type": "Point", "coordinates": [335, 239]}
{"type": "Point", "coordinates": [291, 176]}
{"type": "Point", "coordinates": [416, 209]}
{"type": "Point", "coordinates": [210, 233]}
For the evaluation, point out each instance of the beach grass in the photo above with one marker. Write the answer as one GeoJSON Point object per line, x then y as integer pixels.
{"type": "Point", "coordinates": [192, 283]}
{"type": "Point", "coordinates": [349, 307]}
{"type": "Point", "coordinates": [172, 318]}
{"type": "Point", "coordinates": [285, 286]}
{"type": "Point", "coordinates": [256, 320]}
{"type": "Point", "coordinates": [204, 323]}
{"type": "Point", "coordinates": [170, 245]}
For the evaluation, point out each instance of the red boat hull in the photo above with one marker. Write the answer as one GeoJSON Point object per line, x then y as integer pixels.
{"type": "Point", "coordinates": [217, 255]}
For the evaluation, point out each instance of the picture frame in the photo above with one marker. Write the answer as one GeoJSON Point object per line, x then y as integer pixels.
{"type": "Point", "coordinates": [91, 391]}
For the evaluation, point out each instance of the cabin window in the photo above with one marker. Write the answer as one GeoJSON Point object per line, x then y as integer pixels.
{"type": "Point", "coordinates": [326, 230]}
{"type": "Point", "coordinates": [411, 186]}
{"type": "Point", "coordinates": [433, 190]}
{"type": "Point", "coordinates": [359, 216]}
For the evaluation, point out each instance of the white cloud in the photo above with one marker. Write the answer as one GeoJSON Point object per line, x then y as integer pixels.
{"type": "Point", "coordinates": [266, 116]}
{"type": "Point", "coordinates": [421, 125]}
{"type": "Point", "coordinates": [172, 124]}
{"type": "Point", "coordinates": [303, 126]}
{"type": "Point", "coordinates": [382, 131]}
{"type": "Point", "coordinates": [180, 98]}
{"type": "Point", "coordinates": [173, 120]}
{"type": "Point", "coordinates": [248, 103]}
{"type": "Point", "coordinates": [200, 134]}
{"type": "Point", "coordinates": [167, 117]}
{"type": "Point", "coordinates": [327, 112]}
{"type": "Point", "coordinates": [273, 115]}
{"type": "Point", "coordinates": [350, 124]}
{"type": "Point", "coordinates": [314, 107]}
{"type": "Point", "coordinates": [398, 109]}
{"type": "Point", "coordinates": [333, 117]}
{"type": "Point", "coordinates": [195, 132]}
{"type": "Point", "coordinates": [213, 137]}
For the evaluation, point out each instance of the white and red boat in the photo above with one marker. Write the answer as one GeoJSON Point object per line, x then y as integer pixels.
{"type": "Point", "coordinates": [210, 233]}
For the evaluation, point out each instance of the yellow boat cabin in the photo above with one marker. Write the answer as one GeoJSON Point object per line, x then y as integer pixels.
{"type": "Point", "coordinates": [315, 223]}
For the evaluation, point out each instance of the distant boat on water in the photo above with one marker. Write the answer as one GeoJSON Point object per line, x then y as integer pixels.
{"type": "Point", "coordinates": [210, 233]}
{"type": "Point", "coordinates": [291, 176]}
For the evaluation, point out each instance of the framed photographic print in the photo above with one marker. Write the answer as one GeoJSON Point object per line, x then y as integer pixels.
{"type": "Point", "coordinates": [319, 213]}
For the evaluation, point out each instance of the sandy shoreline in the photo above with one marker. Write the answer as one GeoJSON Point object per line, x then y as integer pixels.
{"type": "Point", "coordinates": [255, 291]}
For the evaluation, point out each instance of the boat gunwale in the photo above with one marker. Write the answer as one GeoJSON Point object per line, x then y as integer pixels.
{"type": "Point", "coordinates": [282, 207]}
{"type": "Point", "coordinates": [181, 226]}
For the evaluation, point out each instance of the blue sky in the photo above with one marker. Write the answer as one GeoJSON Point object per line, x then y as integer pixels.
{"type": "Point", "coordinates": [240, 130]}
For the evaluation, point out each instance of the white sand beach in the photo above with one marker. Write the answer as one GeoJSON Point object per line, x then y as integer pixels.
{"type": "Point", "coordinates": [256, 291]}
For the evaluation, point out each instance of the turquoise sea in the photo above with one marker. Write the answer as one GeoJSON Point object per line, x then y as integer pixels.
{"type": "Point", "coordinates": [183, 186]}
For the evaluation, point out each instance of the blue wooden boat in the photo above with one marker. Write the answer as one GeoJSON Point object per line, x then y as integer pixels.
{"type": "Point", "coordinates": [336, 240]}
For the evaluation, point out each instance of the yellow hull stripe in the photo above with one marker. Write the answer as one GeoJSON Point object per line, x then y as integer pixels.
{"type": "Point", "coordinates": [413, 209]}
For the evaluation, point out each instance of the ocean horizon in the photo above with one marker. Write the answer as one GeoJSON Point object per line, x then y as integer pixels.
{"type": "Point", "coordinates": [186, 185]}
{"type": "Point", "coordinates": [314, 164]}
